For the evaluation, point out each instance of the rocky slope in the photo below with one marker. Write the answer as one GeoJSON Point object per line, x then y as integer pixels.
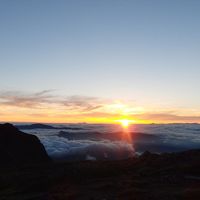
{"type": "Point", "coordinates": [17, 147]}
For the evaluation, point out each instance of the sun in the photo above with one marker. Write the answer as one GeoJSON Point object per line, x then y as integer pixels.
{"type": "Point", "coordinates": [125, 122]}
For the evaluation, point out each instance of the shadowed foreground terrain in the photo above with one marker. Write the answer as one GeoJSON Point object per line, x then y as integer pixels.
{"type": "Point", "coordinates": [150, 176]}
{"type": "Point", "coordinates": [27, 173]}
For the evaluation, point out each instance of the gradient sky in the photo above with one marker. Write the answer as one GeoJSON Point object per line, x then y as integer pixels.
{"type": "Point", "coordinates": [116, 57]}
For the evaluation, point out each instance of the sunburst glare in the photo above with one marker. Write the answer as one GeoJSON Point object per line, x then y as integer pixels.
{"type": "Point", "coordinates": [125, 122]}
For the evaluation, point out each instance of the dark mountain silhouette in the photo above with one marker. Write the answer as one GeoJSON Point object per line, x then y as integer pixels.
{"type": "Point", "coordinates": [45, 126]}
{"type": "Point", "coordinates": [19, 147]}
{"type": "Point", "coordinates": [108, 136]}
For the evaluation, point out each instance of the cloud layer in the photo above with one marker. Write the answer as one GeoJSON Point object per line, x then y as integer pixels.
{"type": "Point", "coordinates": [61, 148]}
{"type": "Point", "coordinates": [100, 142]}
{"type": "Point", "coordinates": [85, 149]}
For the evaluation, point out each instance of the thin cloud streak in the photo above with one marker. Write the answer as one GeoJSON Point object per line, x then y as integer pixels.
{"type": "Point", "coordinates": [18, 99]}
{"type": "Point", "coordinates": [39, 99]}
{"type": "Point", "coordinates": [82, 103]}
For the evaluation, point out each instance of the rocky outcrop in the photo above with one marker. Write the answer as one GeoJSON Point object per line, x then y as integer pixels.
{"type": "Point", "coordinates": [20, 148]}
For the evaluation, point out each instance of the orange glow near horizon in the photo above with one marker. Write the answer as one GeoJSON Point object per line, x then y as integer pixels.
{"type": "Point", "coordinates": [105, 112]}
{"type": "Point", "coordinates": [84, 119]}
{"type": "Point", "coordinates": [71, 119]}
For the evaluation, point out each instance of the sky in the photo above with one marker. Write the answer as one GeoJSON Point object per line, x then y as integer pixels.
{"type": "Point", "coordinates": [100, 61]}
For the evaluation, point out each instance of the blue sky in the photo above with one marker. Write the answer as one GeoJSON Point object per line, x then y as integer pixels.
{"type": "Point", "coordinates": [144, 51]}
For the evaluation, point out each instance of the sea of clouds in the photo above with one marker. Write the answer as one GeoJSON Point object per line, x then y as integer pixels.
{"type": "Point", "coordinates": [168, 138]}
